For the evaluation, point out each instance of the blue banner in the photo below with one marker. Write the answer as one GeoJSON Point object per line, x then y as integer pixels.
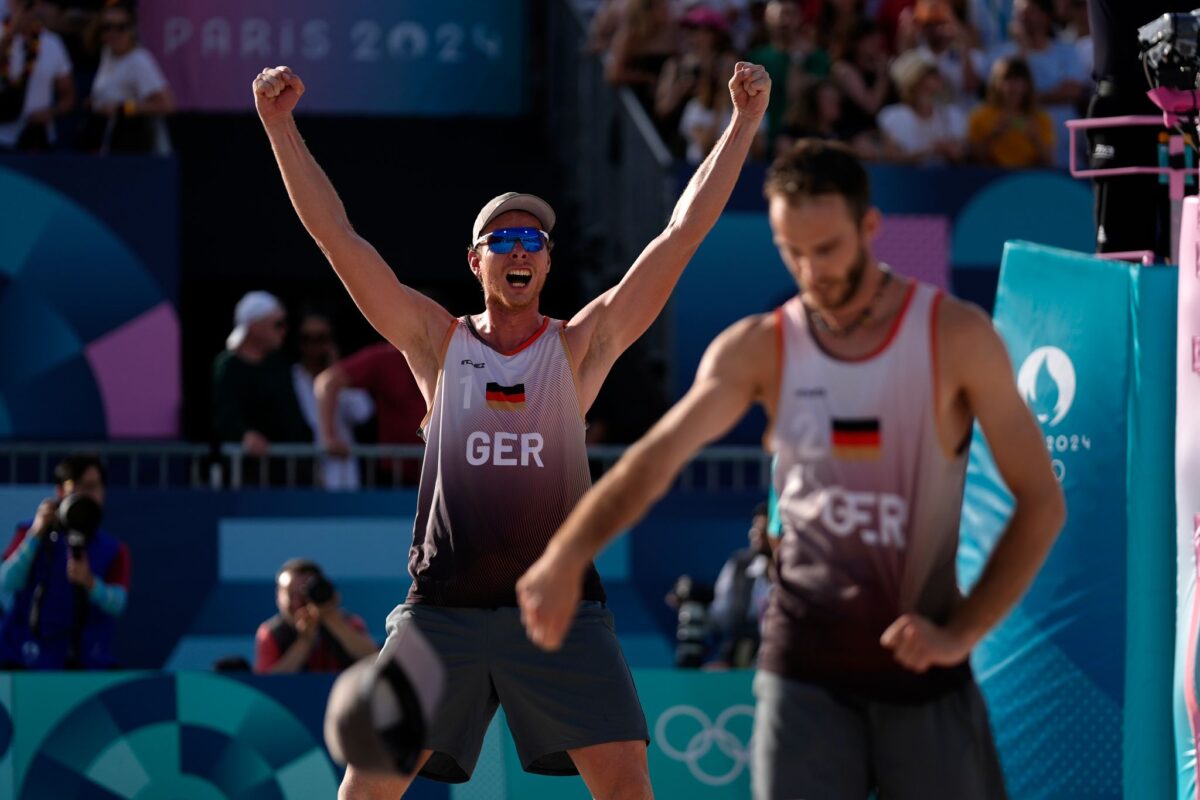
{"type": "Point", "coordinates": [1058, 673]}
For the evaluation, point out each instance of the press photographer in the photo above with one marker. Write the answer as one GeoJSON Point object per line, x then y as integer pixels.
{"type": "Point", "coordinates": [68, 578]}
{"type": "Point", "coordinates": [311, 632]}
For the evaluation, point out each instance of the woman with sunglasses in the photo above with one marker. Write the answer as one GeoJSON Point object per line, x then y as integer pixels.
{"type": "Point", "coordinates": [130, 97]}
{"type": "Point", "coordinates": [505, 460]}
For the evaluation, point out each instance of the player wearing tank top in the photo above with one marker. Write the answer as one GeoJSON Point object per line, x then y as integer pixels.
{"type": "Point", "coordinates": [871, 383]}
{"type": "Point", "coordinates": [505, 462]}
{"type": "Point", "coordinates": [507, 390]}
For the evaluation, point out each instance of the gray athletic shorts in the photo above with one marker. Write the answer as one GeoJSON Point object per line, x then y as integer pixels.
{"type": "Point", "coordinates": [810, 744]}
{"type": "Point", "coordinates": [578, 696]}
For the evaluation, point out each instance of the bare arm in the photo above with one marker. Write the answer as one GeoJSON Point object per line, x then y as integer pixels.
{"type": "Point", "coordinates": [733, 374]}
{"type": "Point", "coordinates": [409, 320]}
{"type": "Point", "coordinates": [328, 387]}
{"type": "Point", "coordinates": [869, 100]}
{"type": "Point", "coordinates": [356, 643]}
{"type": "Point", "coordinates": [614, 320]}
{"type": "Point", "coordinates": [160, 103]}
{"type": "Point", "coordinates": [976, 355]}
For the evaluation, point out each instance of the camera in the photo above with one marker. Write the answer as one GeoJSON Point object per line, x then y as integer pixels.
{"type": "Point", "coordinates": [79, 516]}
{"type": "Point", "coordinates": [1171, 50]}
{"type": "Point", "coordinates": [319, 590]}
{"type": "Point", "coordinates": [691, 600]}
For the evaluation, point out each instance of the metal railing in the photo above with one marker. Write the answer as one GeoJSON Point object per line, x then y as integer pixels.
{"type": "Point", "coordinates": [138, 465]}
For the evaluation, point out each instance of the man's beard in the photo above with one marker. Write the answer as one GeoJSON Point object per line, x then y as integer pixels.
{"type": "Point", "coordinates": [852, 283]}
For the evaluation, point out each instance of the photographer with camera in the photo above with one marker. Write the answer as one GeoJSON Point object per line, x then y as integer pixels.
{"type": "Point", "coordinates": [68, 578]}
{"type": "Point", "coordinates": [311, 633]}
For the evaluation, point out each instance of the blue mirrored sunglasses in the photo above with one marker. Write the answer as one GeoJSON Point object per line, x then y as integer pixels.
{"type": "Point", "coordinates": [503, 241]}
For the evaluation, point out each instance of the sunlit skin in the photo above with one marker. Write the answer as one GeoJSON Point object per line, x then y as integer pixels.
{"type": "Point", "coordinates": [290, 594]}
{"type": "Point", "coordinates": [828, 253]}
{"type": "Point", "coordinates": [499, 296]}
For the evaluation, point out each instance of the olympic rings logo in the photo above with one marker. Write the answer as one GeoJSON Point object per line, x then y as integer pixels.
{"type": "Point", "coordinates": [712, 732]}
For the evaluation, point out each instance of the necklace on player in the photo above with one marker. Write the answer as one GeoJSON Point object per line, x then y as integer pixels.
{"type": "Point", "coordinates": [850, 327]}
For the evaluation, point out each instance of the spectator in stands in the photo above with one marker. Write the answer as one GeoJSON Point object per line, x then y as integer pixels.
{"type": "Point", "coordinates": [936, 29]}
{"type": "Point", "coordinates": [645, 39]}
{"type": "Point", "coordinates": [36, 85]}
{"type": "Point", "coordinates": [792, 59]}
{"type": "Point", "coordinates": [838, 19]}
{"type": "Point", "coordinates": [130, 97]}
{"type": "Point", "coordinates": [383, 372]}
{"type": "Point", "coordinates": [860, 70]}
{"type": "Point", "coordinates": [311, 632]}
{"type": "Point", "coordinates": [704, 58]}
{"type": "Point", "coordinates": [706, 115]}
{"type": "Point", "coordinates": [815, 114]}
{"type": "Point", "coordinates": [318, 352]}
{"type": "Point", "coordinates": [604, 24]}
{"type": "Point", "coordinates": [740, 596]}
{"type": "Point", "coordinates": [922, 128]}
{"type": "Point", "coordinates": [1060, 77]}
{"type": "Point", "coordinates": [67, 592]}
{"type": "Point", "coordinates": [992, 19]}
{"type": "Point", "coordinates": [253, 398]}
{"type": "Point", "coordinates": [1008, 129]}
{"type": "Point", "coordinates": [1077, 29]}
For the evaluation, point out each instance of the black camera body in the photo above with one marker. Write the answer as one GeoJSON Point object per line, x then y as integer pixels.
{"type": "Point", "coordinates": [319, 590]}
{"type": "Point", "coordinates": [1170, 48]}
{"type": "Point", "coordinates": [79, 517]}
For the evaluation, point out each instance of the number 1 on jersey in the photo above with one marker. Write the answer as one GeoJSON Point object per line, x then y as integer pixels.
{"type": "Point", "coordinates": [466, 382]}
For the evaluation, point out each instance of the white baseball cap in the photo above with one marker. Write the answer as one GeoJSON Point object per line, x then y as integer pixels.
{"type": "Point", "coordinates": [513, 201]}
{"type": "Point", "coordinates": [249, 310]}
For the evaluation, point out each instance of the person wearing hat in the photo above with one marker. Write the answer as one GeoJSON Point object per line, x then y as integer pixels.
{"type": "Point", "coordinates": [254, 402]}
{"type": "Point", "coordinates": [1060, 78]}
{"type": "Point", "coordinates": [505, 460]}
{"type": "Point", "coordinates": [922, 128]}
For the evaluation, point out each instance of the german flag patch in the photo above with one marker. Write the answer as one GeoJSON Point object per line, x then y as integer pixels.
{"type": "Point", "coordinates": [857, 439]}
{"type": "Point", "coordinates": [505, 398]}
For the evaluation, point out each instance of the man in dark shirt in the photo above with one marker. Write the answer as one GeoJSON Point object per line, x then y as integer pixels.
{"type": "Point", "coordinates": [253, 397]}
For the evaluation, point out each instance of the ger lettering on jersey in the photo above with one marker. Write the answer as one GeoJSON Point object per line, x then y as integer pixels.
{"type": "Point", "coordinates": [505, 462]}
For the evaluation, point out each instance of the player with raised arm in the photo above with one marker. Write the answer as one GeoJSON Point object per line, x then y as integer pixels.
{"type": "Point", "coordinates": [505, 460]}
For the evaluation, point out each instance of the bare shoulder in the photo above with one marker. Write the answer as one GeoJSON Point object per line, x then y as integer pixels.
{"type": "Point", "coordinates": [748, 350]}
{"type": "Point", "coordinates": [964, 328]}
{"type": "Point", "coordinates": [971, 352]}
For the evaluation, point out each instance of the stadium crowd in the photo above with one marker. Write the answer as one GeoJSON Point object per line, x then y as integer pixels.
{"type": "Point", "coordinates": [901, 81]}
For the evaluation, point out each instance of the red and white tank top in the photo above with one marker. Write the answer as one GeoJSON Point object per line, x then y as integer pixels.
{"type": "Point", "coordinates": [505, 462]}
{"type": "Point", "coordinates": [869, 503]}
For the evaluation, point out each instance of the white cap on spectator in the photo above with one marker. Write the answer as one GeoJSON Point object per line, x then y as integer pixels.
{"type": "Point", "coordinates": [909, 68]}
{"type": "Point", "coordinates": [513, 201]}
{"type": "Point", "coordinates": [250, 309]}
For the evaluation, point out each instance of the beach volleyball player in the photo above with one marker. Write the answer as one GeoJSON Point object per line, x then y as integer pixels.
{"type": "Point", "coordinates": [505, 461]}
{"type": "Point", "coordinates": [871, 383]}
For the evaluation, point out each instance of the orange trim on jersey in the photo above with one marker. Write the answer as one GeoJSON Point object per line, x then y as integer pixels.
{"type": "Point", "coordinates": [769, 433]}
{"type": "Point", "coordinates": [912, 290]}
{"type": "Point", "coordinates": [441, 370]}
{"type": "Point", "coordinates": [537, 335]}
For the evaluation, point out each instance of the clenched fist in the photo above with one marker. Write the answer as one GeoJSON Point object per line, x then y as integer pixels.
{"type": "Point", "coordinates": [750, 88]}
{"type": "Point", "coordinates": [276, 92]}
